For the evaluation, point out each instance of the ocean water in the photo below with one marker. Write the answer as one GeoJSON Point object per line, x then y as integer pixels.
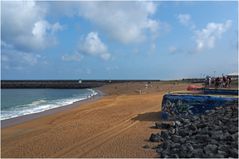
{"type": "Point", "coordinates": [19, 102]}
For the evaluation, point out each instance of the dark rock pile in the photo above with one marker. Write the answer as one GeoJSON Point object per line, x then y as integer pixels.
{"type": "Point", "coordinates": [210, 135]}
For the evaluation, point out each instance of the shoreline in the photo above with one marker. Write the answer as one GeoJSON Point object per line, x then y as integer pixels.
{"type": "Point", "coordinates": [28, 117]}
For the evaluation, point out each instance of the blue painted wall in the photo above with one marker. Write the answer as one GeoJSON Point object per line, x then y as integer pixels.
{"type": "Point", "coordinates": [176, 104]}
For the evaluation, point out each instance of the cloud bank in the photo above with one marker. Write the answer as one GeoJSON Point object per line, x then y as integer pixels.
{"type": "Point", "coordinates": [126, 22]}
{"type": "Point", "coordinates": [92, 45]}
{"type": "Point", "coordinates": [207, 37]}
{"type": "Point", "coordinates": [204, 38]}
{"type": "Point", "coordinates": [24, 26]}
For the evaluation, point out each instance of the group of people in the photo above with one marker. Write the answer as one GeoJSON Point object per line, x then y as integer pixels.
{"type": "Point", "coordinates": [222, 82]}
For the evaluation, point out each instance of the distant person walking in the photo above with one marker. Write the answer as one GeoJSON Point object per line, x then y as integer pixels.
{"type": "Point", "coordinates": [224, 80]}
{"type": "Point", "coordinates": [217, 82]}
{"type": "Point", "coordinates": [207, 81]}
{"type": "Point", "coordinates": [229, 81]}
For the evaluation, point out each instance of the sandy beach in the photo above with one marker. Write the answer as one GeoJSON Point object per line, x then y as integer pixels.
{"type": "Point", "coordinates": [116, 125]}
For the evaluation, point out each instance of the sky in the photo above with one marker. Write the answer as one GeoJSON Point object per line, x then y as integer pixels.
{"type": "Point", "coordinates": [118, 40]}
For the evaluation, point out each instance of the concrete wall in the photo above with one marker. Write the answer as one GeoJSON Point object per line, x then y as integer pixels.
{"type": "Point", "coordinates": [186, 104]}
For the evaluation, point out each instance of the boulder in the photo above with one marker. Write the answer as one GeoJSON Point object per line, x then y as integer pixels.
{"type": "Point", "coordinates": [155, 138]}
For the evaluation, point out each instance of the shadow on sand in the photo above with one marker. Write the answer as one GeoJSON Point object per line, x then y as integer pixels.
{"type": "Point", "coordinates": [149, 116]}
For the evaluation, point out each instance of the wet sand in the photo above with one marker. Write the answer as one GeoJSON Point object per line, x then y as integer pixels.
{"type": "Point", "coordinates": [116, 125]}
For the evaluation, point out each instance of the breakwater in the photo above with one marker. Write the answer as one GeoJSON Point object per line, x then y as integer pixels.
{"type": "Point", "coordinates": [50, 84]}
{"type": "Point", "coordinates": [62, 83]}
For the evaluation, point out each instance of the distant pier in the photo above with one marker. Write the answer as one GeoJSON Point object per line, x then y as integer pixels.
{"type": "Point", "coordinates": [51, 84]}
{"type": "Point", "coordinates": [64, 84]}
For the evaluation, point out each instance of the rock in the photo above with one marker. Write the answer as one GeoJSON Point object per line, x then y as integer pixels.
{"type": "Point", "coordinates": [202, 118]}
{"type": "Point", "coordinates": [162, 125]}
{"type": "Point", "coordinates": [197, 152]}
{"type": "Point", "coordinates": [211, 135]}
{"type": "Point", "coordinates": [192, 133]}
{"type": "Point", "coordinates": [201, 125]}
{"type": "Point", "coordinates": [146, 147]}
{"type": "Point", "coordinates": [218, 135]}
{"type": "Point", "coordinates": [172, 131]}
{"type": "Point", "coordinates": [224, 148]}
{"type": "Point", "coordinates": [233, 130]}
{"type": "Point", "coordinates": [210, 155]}
{"type": "Point", "coordinates": [184, 120]}
{"type": "Point", "coordinates": [233, 153]}
{"type": "Point", "coordinates": [182, 140]}
{"type": "Point", "coordinates": [192, 127]}
{"type": "Point", "coordinates": [228, 138]}
{"type": "Point", "coordinates": [157, 125]}
{"type": "Point", "coordinates": [176, 138]}
{"type": "Point", "coordinates": [159, 150]}
{"type": "Point", "coordinates": [165, 145]}
{"type": "Point", "coordinates": [235, 137]}
{"type": "Point", "coordinates": [218, 122]}
{"type": "Point", "coordinates": [216, 128]}
{"type": "Point", "coordinates": [211, 148]}
{"type": "Point", "coordinates": [165, 126]}
{"type": "Point", "coordinates": [178, 123]}
{"type": "Point", "coordinates": [162, 154]}
{"type": "Point", "coordinates": [214, 142]}
{"type": "Point", "coordinates": [189, 155]}
{"type": "Point", "coordinates": [218, 156]}
{"type": "Point", "coordinates": [155, 138]}
{"type": "Point", "coordinates": [222, 153]}
{"type": "Point", "coordinates": [189, 147]}
{"type": "Point", "coordinates": [173, 156]}
{"type": "Point", "coordinates": [183, 133]}
{"type": "Point", "coordinates": [175, 145]}
{"type": "Point", "coordinates": [164, 134]}
{"type": "Point", "coordinates": [202, 138]}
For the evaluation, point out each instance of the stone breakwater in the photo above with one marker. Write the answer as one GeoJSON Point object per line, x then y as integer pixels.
{"type": "Point", "coordinates": [210, 135]}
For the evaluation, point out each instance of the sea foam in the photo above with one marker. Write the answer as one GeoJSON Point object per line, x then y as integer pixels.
{"type": "Point", "coordinates": [43, 105]}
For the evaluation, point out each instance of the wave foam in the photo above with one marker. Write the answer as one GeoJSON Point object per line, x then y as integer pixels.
{"type": "Point", "coordinates": [43, 105]}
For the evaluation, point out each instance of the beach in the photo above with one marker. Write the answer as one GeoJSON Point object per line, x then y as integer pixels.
{"type": "Point", "coordinates": [117, 124]}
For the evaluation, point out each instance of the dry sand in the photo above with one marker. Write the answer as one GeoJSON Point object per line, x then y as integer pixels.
{"type": "Point", "coordinates": [117, 125]}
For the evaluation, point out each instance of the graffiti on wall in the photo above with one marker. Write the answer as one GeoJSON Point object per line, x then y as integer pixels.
{"type": "Point", "coordinates": [175, 104]}
{"type": "Point", "coordinates": [177, 107]}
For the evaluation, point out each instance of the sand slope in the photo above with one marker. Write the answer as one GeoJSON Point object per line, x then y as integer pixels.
{"type": "Point", "coordinates": [113, 126]}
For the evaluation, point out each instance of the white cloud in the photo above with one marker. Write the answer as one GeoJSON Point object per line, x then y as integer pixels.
{"type": "Point", "coordinates": [42, 28]}
{"type": "Point", "coordinates": [206, 37]}
{"type": "Point", "coordinates": [12, 58]}
{"type": "Point", "coordinates": [24, 25]}
{"type": "Point", "coordinates": [92, 45]}
{"type": "Point", "coordinates": [172, 49]}
{"type": "Point", "coordinates": [74, 57]}
{"type": "Point", "coordinates": [184, 19]}
{"type": "Point", "coordinates": [126, 22]}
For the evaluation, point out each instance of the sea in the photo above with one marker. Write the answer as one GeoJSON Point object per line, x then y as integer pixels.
{"type": "Point", "coordinates": [19, 102]}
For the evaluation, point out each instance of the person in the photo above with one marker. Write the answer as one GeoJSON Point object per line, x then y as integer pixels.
{"type": "Point", "coordinates": [217, 82]}
{"type": "Point", "coordinates": [213, 81]}
{"type": "Point", "coordinates": [229, 80]}
{"type": "Point", "coordinates": [209, 82]}
{"type": "Point", "coordinates": [224, 80]}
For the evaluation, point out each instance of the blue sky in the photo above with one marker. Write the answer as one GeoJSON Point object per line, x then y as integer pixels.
{"type": "Point", "coordinates": [118, 40]}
